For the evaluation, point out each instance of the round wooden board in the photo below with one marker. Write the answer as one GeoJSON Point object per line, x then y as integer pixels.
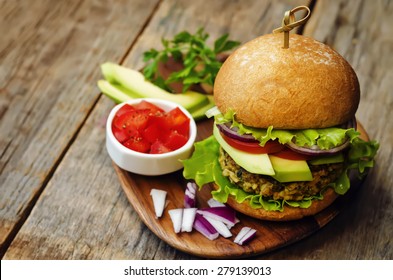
{"type": "Point", "coordinates": [270, 235]}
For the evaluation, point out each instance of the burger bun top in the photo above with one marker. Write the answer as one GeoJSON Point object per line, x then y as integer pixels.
{"type": "Point", "coordinates": [308, 85]}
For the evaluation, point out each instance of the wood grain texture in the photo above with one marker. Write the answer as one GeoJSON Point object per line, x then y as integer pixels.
{"type": "Point", "coordinates": [243, 20]}
{"type": "Point", "coordinates": [49, 56]}
{"type": "Point", "coordinates": [83, 212]}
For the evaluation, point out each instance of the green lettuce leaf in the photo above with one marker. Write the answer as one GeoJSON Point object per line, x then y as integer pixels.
{"type": "Point", "coordinates": [324, 138]}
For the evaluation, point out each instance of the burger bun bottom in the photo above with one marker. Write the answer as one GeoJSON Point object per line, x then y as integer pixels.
{"type": "Point", "coordinates": [289, 213]}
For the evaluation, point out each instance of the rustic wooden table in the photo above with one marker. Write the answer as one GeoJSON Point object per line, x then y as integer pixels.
{"type": "Point", "coordinates": [59, 194]}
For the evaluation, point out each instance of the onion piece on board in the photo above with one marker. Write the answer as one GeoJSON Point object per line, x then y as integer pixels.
{"type": "Point", "coordinates": [188, 219]}
{"type": "Point", "coordinates": [192, 187]}
{"type": "Point", "coordinates": [222, 213]}
{"type": "Point", "coordinates": [158, 197]}
{"type": "Point", "coordinates": [190, 195]}
{"type": "Point", "coordinates": [214, 203]}
{"type": "Point", "coordinates": [221, 228]}
{"type": "Point", "coordinates": [204, 227]}
{"type": "Point", "coordinates": [177, 218]}
{"type": "Point", "coordinates": [245, 235]}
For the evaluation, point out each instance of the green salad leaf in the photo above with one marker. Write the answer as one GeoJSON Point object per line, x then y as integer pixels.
{"type": "Point", "coordinates": [324, 138]}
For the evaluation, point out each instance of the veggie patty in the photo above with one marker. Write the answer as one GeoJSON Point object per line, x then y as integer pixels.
{"type": "Point", "coordinates": [268, 187]}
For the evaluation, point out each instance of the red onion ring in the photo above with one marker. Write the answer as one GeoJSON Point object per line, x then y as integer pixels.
{"type": "Point", "coordinates": [231, 132]}
{"type": "Point", "coordinates": [315, 150]}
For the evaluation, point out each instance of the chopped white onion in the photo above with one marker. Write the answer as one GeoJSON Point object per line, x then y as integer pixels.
{"type": "Point", "coordinates": [222, 213]}
{"type": "Point", "coordinates": [247, 238]}
{"type": "Point", "coordinates": [211, 222]}
{"type": "Point", "coordinates": [192, 187]}
{"type": "Point", "coordinates": [159, 197]}
{"type": "Point", "coordinates": [241, 234]}
{"type": "Point", "coordinates": [214, 203]}
{"type": "Point", "coordinates": [189, 196]}
{"type": "Point", "coordinates": [245, 235]}
{"type": "Point", "coordinates": [189, 193]}
{"type": "Point", "coordinates": [177, 218]}
{"type": "Point", "coordinates": [221, 228]}
{"type": "Point", "coordinates": [188, 219]}
{"type": "Point", "coordinates": [236, 221]}
{"type": "Point", "coordinates": [204, 227]}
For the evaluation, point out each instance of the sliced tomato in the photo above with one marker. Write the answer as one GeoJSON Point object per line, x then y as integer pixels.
{"type": "Point", "coordinates": [179, 121]}
{"type": "Point", "coordinates": [175, 140]}
{"type": "Point", "coordinates": [147, 105]}
{"type": "Point", "coordinates": [292, 155]}
{"type": "Point", "coordinates": [159, 148]}
{"type": "Point", "coordinates": [254, 147]}
{"type": "Point", "coordinates": [137, 144]}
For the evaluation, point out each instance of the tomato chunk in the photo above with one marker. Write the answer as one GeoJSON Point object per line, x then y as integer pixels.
{"type": "Point", "coordinates": [123, 134]}
{"type": "Point", "coordinates": [175, 140]}
{"type": "Point", "coordinates": [159, 148]}
{"type": "Point", "coordinates": [125, 109]}
{"type": "Point", "coordinates": [147, 105]}
{"type": "Point", "coordinates": [254, 147]}
{"type": "Point", "coordinates": [137, 144]}
{"type": "Point", "coordinates": [136, 119]}
{"type": "Point", "coordinates": [179, 121]}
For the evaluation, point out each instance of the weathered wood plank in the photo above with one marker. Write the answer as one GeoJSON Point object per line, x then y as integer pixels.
{"type": "Point", "coordinates": [49, 57]}
{"type": "Point", "coordinates": [361, 31]}
{"type": "Point", "coordinates": [243, 20]}
{"type": "Point", "coordinates": [83, 212]}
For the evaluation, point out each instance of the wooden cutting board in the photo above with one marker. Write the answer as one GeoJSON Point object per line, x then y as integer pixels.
{"type": "Point", "coordinates": [270, 235]}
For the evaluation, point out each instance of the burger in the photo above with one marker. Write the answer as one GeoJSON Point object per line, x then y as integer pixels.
{"type": "Point", "coordinates": [285, 137]}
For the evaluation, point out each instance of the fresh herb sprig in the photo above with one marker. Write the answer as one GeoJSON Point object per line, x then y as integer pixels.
{"type": "Point", "coordinates": [201, 63]}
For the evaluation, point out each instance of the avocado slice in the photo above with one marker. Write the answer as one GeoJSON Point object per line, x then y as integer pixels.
{"type": "Point", "coordinates": [117, 93]}
{"type": "Point", "coordinates": [336, 158]}
{"type": "Point", "coordinates": [254, 163]}
{"type": "Point", "coordinates": [135, 82]}
{"type": "Point", "coordinates": [287, 170]}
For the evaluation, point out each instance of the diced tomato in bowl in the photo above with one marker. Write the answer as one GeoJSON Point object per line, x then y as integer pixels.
{"type": "Point", "coordinates": [141, 125]}
{"type": "Point", "coordinates": [150, 136]}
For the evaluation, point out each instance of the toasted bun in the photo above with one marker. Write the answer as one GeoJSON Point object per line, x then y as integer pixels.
{"type": "Point", "coordinates": [289, 213]}
{"type": "Point", "coordinates": [308, 85]}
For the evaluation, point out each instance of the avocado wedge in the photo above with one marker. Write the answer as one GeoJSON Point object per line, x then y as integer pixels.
{"type": "Point", "coordinates": [135, 83]}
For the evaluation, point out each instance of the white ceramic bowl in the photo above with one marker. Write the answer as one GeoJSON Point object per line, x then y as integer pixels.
{"type": "Point", "coordinates": [148, 164]}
